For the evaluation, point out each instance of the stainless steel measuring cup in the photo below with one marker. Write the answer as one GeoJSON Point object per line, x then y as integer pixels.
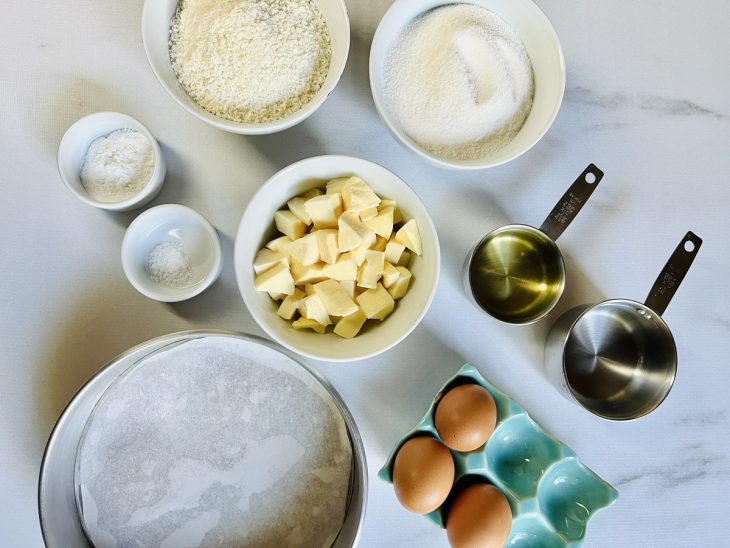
{"type": "Point", "coordinates": [618, 358]}
{"type": "Point", "coordinates": [516, 273]}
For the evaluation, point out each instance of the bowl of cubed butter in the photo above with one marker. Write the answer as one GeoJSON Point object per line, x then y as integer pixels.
{"type": "Point", "coordinates": [337, 258]}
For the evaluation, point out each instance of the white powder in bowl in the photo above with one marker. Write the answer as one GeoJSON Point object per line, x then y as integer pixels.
{"type": "Point", "coordinates": [169, 265]}
{"type": "Point", "coordinates": [118, 166]}
{"type": "Point", "coordinates": [250, 61]}
{"type": "Point", "coordinates": [459, 82]}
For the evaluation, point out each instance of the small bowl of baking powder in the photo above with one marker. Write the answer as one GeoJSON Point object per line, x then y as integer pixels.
{"type": "Point", "coordinates": [171, 253]}
{"type": "Point", "coordinates": [111, 161]}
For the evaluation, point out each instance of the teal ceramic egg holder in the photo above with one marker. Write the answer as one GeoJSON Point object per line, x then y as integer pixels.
{"type": "Point", "coordinates": [552, 495]}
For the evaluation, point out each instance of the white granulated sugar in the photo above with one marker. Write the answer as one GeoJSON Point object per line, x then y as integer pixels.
{"type": "Point", "coordinates": [169, 265]}
{"type": "Point", "coordinates": [214, 443]}
{"type": "Point", "coordinates": [459, 82]}
{"type": "Point", "coordinates": [118, 166]}
{"type": "Point", "coordinates": [250, 61]}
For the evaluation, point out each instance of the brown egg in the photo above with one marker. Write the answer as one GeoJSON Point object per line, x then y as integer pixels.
{"type": "Point", "coordinates": [466, 417]}
{"type": "Point", "coordinates": [423, 474]}
{"type": "Point", "coordinates": [480, 517]}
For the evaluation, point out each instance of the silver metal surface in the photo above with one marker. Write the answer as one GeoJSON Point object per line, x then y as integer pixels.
{"type": "Point", "coordinates": [59, 518]}
{"type": "Point", "coordinates": [618, 358]}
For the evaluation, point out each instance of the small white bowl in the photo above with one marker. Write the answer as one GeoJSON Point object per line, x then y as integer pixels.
{"type": "Point", "coordinates": [156, 18]}
{"type": "Point", "coordinates": [257, 228]}
{"type": "Point", "coordinates": [176, 223]}
{"type": "Point", "coordinates": [542, 44]}
{"type": "Point", "coordinates": [72, 153]}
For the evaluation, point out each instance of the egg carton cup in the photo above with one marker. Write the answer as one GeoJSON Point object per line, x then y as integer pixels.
{"type": "Point", "coordinates": [552, 494]}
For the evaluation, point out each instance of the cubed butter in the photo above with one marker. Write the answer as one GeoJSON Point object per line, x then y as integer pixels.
{"type": "Point", "coordinates": [277, 296]}
{"type": "Point", "coordinates": [304, 323]}
{"type": "Point", "coordinates": [328, 246]}
{"type": "Point", "coordinates": [335, 298]}
{"type": "Point", "coordinates": [304, 250]}
{"type": "Point", "coordinates": [313, 308]}
{"type": "Point", "coordinates": [277, 279]}
{"type": "Point", "coordinates": [390, 275]}
{"type": "Point", "coordinates": [266, 258]}
{"type": "Point", "coordinates": [382, 223]}
{"type": "Point", "coordinates": [393, 251]}
{"type": "Point", "coordinates": [289, 306]}
{"type": "Point", "coordinates": [368, 214]}
{"type": "Point", "coordinates": [397, 215]}
{"type": "Point", "coordinates": [350, 326]}
{"type": "Point", "coordinates": [288, 224]}
{"type": "Point", "coordinates": [357, 196]}
{"type": "Point", "coordinates": [309, 289]}
{"type": "Point", "coordinates": [376, 303]}
{"type": "Point", "coordinates": [324, 210]}
{"type": "Point", "coordinates": [349, 287]}
{"type": "Point", "coordinates": [353, 232]}
{"type": "Point", "coordinates": [409, 236]}
{"type": "Point", "coordinates": [279, 243]}
{"type": "Point", "coordinates": [335, 186]}
{"type": "Point", "coordinates": [358, 254]}
{"type": "Point", "coordinates": [307, 274]}
{"type": "Point", "coordinates": [344, 269]}
{"type": "Point", "coordinates": [405, 259]}
{"type": "Point", "coordinates": [399, 289]}
{"type": "Point", "coordinates": [312, 193]}
{"type": "Point", "coordinates": [366, 278]}
{"type": "Point", "coordinates": [296, 206]}
{"type": "Point", "coordinates": [379, 244]}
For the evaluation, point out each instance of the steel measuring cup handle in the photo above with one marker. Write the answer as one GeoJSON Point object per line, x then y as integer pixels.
{"type": "Point", "coordinates": [673, 273]}
{"type": "Point", "coordinates": [572, 202]}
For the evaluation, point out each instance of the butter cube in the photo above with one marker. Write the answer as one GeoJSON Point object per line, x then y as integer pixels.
{"type": "Point", "coordinates": [296, 206]}
{"type": "Point", "coordinates": [335, 186]}
{"type": "Point", "coordinates": [288, 224]}
{"type": "Point", "coordinates": [279, 243]}
{"type": "Point", "coordinates": [306, 274]}
{"type": "Point", "coordinates": [352, 232]}
{"type": "Point", "coordinates": [304, 323]}
{"type": "Point", "coordinates": [399, 289]}
{"type": "Point", "coordinates": [372, 269]}
{"type": "Point", "coordinates": [368, 214]}
{"type": "Point", "coordinates": [313, 308]}
{"type": "Point", "coordinates": [328, 246]}
{"type": "Point", "coordinates": [309, 289]}
{"type": "Point", "coordinates": [397, 215]}
{"type": "Point", "coordinates": [405, 259]}
{"type": "Point", "coordinates": [349, 287]}
{"type": "Point", "coordinates": [305, 250]}
{"type": "Point", "coordinates": [376, 303]}
{"type": "Point", "coordinates": [277, 296]}
{"type": "Point", "coordinates": [335, 298]}
{"type": "Point", "coordinates": [267, 258]}
{"type": "Point", "coordinates": [409, 236]}
{"type": "Point", "coordinates": [379, 244]}
{"type": "Point", "coordinates": [357, 196]}
{"type": "Point", "coordinates": [358, 254]}
{"type": "Point", "coordinates": [277, 279]}
{"type": "Point", "coordinates": [390, 275]}
{"type": "Point", "coordinates": [366, 279]}
{"type": "Point", "coordinates": [349, 326]}
{"type": "Point", "coordinates": [324, 210]}
{"type": "Point", "coordinates": [290, 305]}
{"type": "Point", "coordinates": [382, 224]}
{"type": "Point", "coordinates": [312, 193]}
{"type": "Point", "coordinates": [344, 269]}
{"type": "Point", "coordinates": [394, 251]}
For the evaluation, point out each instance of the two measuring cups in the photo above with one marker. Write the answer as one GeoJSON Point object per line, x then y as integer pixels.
{"type": "Point", "coordinates": [617, 358]}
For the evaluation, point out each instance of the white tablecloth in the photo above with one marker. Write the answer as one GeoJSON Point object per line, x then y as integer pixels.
{"type": "Point", "coordinates": [647, 101]}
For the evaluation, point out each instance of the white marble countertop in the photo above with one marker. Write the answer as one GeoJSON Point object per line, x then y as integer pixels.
{"type": "Point", "coordinates": [647, 101]}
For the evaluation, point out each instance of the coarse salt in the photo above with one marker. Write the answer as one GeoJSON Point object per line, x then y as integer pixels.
{"type": "Point", "coordinates": [169, 265]}
{"type": "Point", "coordinates": [459, 82]}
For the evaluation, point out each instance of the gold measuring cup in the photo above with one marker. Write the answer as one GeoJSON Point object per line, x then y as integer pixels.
{"type": "Point", "coordinates": [618, 358]}
{"type": "Point", "coordinates": [516, 273]}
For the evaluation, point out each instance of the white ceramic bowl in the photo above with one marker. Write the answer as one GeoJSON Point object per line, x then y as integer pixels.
{"type": "Point", "coordinates": [257, 228]}
{"type": "Point", "coordinates": [542, 45]}
{"type": "Point", "coordinates": [156, 18]}
{"type": "Point", "coordinates": [72, 153]}
{"type": "Point", "coordinates": [165, 223]}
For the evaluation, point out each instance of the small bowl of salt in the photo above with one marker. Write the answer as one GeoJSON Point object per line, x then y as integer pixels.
{"type": "Point", "coordinates": [171, 253]}
{"type": "Point", "coordinates": [111, 161]}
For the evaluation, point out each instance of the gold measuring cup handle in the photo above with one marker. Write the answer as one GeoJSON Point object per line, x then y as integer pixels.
{"type": "Point", "coordinates": [572, 202]}
{"type": "Point", "coordinates": [673, 273]}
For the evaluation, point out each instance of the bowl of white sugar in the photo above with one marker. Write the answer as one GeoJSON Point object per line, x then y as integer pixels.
{"type": "Point", "coordinates": [467, 85]}
{"type": "Point", "coordinates": [111, 161]}
{"type": "Point", "coordinates": [171, 253]}
{"type": "Point", "coordinates": [247, 66]}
